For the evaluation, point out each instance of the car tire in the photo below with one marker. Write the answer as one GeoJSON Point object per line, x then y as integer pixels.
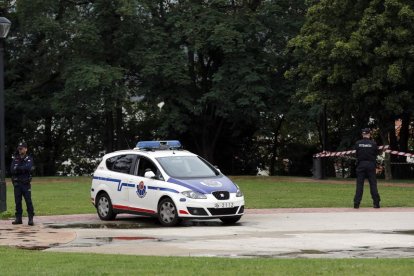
{"type": "Point", "coordinates": [230, 220]}
{"type": "Point", "coordinates": [167, 212]}
{"type": "Point", "coordinates": [104, 207]}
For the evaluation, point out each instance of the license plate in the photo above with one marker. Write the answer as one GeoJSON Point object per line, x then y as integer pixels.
{"type": "Point", "coordinates": [224, 205]}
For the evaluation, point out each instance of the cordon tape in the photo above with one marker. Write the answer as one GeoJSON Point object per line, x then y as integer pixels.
{"type": "Point", "coordinates": [351, 152]}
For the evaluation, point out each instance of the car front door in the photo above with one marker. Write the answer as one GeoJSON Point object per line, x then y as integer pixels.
{"type": "Point", "coordinates": [144, 196]}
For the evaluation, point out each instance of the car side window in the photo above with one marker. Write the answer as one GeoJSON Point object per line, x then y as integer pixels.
{"type": "Point", "coordinates": [144, 165]}
{"type": "Point", "coordinates": [121, 163]}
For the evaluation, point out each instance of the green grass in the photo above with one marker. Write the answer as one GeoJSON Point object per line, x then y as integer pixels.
{"type": "Point", "coordinates": [56, 196]}
{"type": "Point", "coordinates": [270, 192]}
{"type": "Point", "coordinates": [53, 196]}
{"type": "Point", "coordinates": [24, 262]}
{"type": "Point", "coordinates": [70, 195]}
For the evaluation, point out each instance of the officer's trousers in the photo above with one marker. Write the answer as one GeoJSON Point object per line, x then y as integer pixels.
{"type": "Point", "coordinates": [23, 191]}
{"type": "Point", "coordinates": [366, 169]}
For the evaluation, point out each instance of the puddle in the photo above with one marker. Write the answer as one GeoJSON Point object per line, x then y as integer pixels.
{"type": "Point", "coordinates": [34, 247]}
{"type": "Point", "coordinates": [405, 232]}
{"type": "Point", "coordinates": [312, 251]}
{"type": "Point", "coordinates": [100, 241]}
{"type": "Point", "coordinates": [102, 226]}
{"type": "Point", "coordinates": [189, 223]}
{"type": "Point", "coordinates": [305, 251]}
{"type": "Point", "coordinates": [293, 254]}
{"type": "Point", "coordinates": [111, 239]}
{"type": "Point", "coordinates": [128, 224]}
{"type": "Point", "coordinates": [403, 249]}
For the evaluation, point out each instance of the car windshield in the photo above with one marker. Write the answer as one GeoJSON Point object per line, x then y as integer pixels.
{"type": "Point", "coordinates": [187, 167]}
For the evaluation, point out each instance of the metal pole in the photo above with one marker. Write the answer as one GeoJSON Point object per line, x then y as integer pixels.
{"type": "Point", "coordinates": [3, 198]}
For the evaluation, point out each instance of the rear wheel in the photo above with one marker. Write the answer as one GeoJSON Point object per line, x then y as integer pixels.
{"type": "Point", "coordinates": [230, 220]}
{"type": "Point", "coordinates": [167, 212]}
{"type": "Point", "coordinates": [104, 207]}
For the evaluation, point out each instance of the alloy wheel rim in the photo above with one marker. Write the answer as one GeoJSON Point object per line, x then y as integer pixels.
{"type": "Point", "coordinates": [103, 206]}
{"type": "Point", "coordinates": [167, 212]}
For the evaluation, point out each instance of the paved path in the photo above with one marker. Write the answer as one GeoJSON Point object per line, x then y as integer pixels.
{"type": "Point", "coordinates": [280, 233]}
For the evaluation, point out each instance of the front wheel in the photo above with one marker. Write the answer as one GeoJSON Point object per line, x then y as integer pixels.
{"type": "Point", "coordinates": [167, 213]}
{"type": "Point", "coordinates": [230, 220]}
{"type": "Point", "coordinates": [104, 207]}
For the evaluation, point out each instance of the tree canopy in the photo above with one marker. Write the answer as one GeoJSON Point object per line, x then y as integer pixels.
{"type": "Point", "coordinates": [242, 83]}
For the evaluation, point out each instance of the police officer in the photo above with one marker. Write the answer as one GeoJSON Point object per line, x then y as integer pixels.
{"type": "Point", "coordinates": [366, 154]}
{"type": "Point", "coordinates": [21, 176]}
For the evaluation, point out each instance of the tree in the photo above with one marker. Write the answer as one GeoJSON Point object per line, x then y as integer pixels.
{"type": "Point", "coordinates": [357, 59]}
{"type": "Point", "coordinates": [214, 65]}
{"type": "Point", "coordinates": [68, 63]}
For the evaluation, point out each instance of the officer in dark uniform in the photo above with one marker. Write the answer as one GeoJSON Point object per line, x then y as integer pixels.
{"type": "Point", "coordinates": [366, 154]}
{"type": "Point", "coordinates": [21, 176]}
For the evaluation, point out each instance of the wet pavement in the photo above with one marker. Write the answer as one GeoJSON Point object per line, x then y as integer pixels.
{"type": "Point", "coordinates": [267, 233]}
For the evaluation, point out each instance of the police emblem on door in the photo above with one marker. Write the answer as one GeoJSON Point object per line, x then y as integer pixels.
{"type": "Point", "coordinates": [141, 189]}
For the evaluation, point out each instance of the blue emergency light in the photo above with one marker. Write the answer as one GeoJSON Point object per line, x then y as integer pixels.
{"type": "Point", "coordinates": [154, 145]}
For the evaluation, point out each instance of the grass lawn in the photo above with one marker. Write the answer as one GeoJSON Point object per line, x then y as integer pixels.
{"type": "Point", "coordinates": [23, 262]}
{"type": "Point", "coordinates": [70, 195]}
{"type": "Point", "coordinates": [55, 196]}
{"type": "Point", "coordinates": [287, 192]}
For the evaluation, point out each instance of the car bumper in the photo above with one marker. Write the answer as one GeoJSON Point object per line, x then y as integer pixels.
{"type": "Point", "coordinates": [210, 208]}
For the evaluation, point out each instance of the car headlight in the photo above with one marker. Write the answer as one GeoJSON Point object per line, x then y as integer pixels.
{"type": "Point", "coordinates": [194, 195]}
{"type": "Point", "coordinates": [239, 192]}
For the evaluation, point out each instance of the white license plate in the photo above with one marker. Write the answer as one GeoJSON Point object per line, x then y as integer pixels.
{"type": "Point", "coordinates": [224, 205]}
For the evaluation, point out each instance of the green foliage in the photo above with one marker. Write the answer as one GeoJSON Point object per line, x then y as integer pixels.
{"type": "Point", "coordinates": [236, 79]}
{"type": "Point", "coordinates": [357, 59]}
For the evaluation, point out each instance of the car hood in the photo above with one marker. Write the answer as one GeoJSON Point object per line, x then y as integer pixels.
{"type": "Point", "coordinates": [206, 185]}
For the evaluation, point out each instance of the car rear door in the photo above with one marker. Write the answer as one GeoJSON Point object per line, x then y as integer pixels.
{"type": "Point", "coordinates": [120, 169]}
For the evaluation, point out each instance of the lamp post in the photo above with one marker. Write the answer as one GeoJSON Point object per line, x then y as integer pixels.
{"type": "Point", "coordinates": [4, 30]}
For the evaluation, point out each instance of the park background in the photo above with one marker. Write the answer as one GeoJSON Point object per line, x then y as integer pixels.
{"type": "Point", "coordinates": [245, 84]}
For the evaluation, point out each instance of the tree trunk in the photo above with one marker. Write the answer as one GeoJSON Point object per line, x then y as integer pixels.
{"type": "Point", "coordinates": [274, 146]}
{"type": "Point", "coordinates": [209, 140]}
{"type": "Point", "coordinates": [119, 124]}
{"type": "Point", "coordinates": [384, 133]}
{"type": "Point", "coordinates": [109, 131]}
{"type": "Point", "coordinates": [49, 155]}
{"type": "Point", "coordinates": [387, 166]}
{"type": "Point", "coordinates": [400, 143]}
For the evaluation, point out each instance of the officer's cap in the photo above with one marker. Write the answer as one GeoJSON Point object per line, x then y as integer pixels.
{"type": "Point", "coordinates": [365, 131]}
{"type": "Point", "coordinates": [22, 145]}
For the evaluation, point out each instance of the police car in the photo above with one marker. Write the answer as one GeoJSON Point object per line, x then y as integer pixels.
{"type": "Point", "coordinates": [160, 179]}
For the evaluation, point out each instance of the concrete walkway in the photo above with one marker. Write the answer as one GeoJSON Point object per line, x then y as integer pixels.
{"type": "Point", "coordinates": [279, 233]}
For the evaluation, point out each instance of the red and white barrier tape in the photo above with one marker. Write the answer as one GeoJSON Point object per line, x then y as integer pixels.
{"type": "Point", "coordinates": [400, 153]}
{"type": "Point", "coordinates": [350, 152]}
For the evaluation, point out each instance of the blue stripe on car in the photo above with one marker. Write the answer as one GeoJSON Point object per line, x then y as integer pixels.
{"type": "Point", "coordinates": [192, 184]}
{"type": "Point", "coordinates": [162, 189]}
{"type": "Point", "coordinates": [191, 187]}
{"type": "Point", "coordinates": [196, 186]}
{"type": "Point", "coordinates": [120, 185]}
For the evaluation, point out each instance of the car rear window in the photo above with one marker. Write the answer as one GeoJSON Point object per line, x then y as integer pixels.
{"type": "Point", "coordinates": [121, 163]}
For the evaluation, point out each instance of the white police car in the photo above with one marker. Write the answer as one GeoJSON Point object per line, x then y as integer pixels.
{"type": "Point", "coordinates": [158, 178]}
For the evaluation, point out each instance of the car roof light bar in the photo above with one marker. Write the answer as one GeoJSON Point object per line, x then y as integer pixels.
{"type": "Point", "coordinates": [160, 145]}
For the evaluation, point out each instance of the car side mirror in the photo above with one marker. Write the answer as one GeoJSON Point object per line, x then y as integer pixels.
{"type": "Point", "coordinates": [149, 174]}
{"type": "Point", "coordinates": [217, 168]}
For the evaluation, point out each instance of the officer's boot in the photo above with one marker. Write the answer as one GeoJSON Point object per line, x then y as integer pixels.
{"type": "Point", "coordinates": [376, 205]}
{"type": "Point", "coordinates": [30, 221]}
{"type": "Point", "coordinates": [17, 220]}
